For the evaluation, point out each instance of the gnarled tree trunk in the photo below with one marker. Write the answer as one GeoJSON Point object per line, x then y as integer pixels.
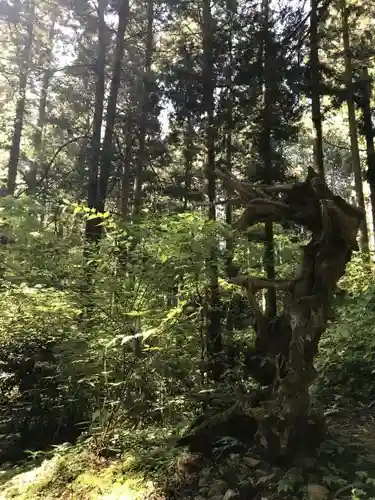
{"type": "Point", "coordinates": [283, 357]}
{"type": "Point", "coordinates": [290, 344]}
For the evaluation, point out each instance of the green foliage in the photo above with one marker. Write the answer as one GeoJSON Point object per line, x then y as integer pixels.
{"type": "Point", "coordinates": [346, 360]}
{"type": "Point", "coordinates": [64, 368]}
{"type": "Point", "coordinates": [41, 393]}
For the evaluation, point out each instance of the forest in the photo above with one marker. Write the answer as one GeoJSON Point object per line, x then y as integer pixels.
{"type": "Point", "coordinates": [187, 249]}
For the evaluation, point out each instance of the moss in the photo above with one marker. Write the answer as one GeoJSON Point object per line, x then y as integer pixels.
{"type": "Point", "coordinates": [76, 475]}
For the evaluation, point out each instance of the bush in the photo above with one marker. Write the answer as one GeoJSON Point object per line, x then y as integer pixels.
{"type": "Point", "coordinates": [346, 362]}
{"type": "Point", "coordinates": [42, 399]}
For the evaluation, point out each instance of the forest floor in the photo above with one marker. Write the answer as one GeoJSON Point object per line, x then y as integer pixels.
{"type": "Point", "coordinates": [146, 465]}
{"type": "Point", "coordinates": [343, 469]}
{"type": "Point", "coordinates": [73, 475]}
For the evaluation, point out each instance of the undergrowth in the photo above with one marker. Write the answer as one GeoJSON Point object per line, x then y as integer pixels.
{"type": "Point", "coordinates": [125, 457]}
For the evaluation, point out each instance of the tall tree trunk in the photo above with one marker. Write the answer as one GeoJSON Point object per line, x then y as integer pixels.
{"type": "Point", "coordinates": [315, 88]}
{"type": "Point", "coordinates": [228, 144]}
{"type": "Point", "coordinates": [38, 135]}
{"type": "Point", "coordinates": [356, 163]}
{"type": "Point", "coordinates": [229, 140]}
{"type": "Point", "coordinates": [24, 69]}
{"type": "Point", "coordinates": [231, 269]}
{"type": "Point", "coordinates": [106, 155]}
{"type": "Point", "coordinates": [214, 339]}
{"type": "Point", "coordinates": [142, 153]}
{"type": "Point", "coordinates": [93, 231]}
{"type": "Point", "coordinates": [266, 149]}
{"type": "Point", "coordinates": [229, 192]}
{"type": "Point", "coordinates": [369, 135]}
{"type": "Point", "coordinates": [83, 159]}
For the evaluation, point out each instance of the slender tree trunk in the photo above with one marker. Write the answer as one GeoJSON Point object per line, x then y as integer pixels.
{"type": "Point", "coordinates": [24, 69]}
{"type": "Point", "coordinates": [83, 159]}
{"type": "Point", "coordinates": [356, 163]}
{"type": "Point", "coordinates": [229, 243]}
{"type": "Point", "coordinates": [126, 177]}
{"type": "Point", "coordinates": [38, 136]}
{"type": "Point", "coordinates": [229, 193]}
{"type": "Point", "coordinates": [214, 339]}
{"type": "Point", "coordinates": [106, 155]}
{"type": "Point", "coordinates": [315, 88]}
{"type": "Point", "coordinates": [228, 144]}
{"type": "Point", "coordinates": [369, 135]}
{"type": "Point", "coordinates": [93, 231]}
{"type": "Point", "coordinates": [188, 157]}
{"type": "Point", "coordinates": [266, 149]}
{"type": "Point", "coordinates": [142, 153]}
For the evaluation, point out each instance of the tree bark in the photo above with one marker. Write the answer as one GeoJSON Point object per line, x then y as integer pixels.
{"type": "Point", "coordinates": [93, 230]}
{"type": "Point", "coordinates": [228, 144]}
{"type": "Point", "coordinates": [213, 334]}
{"type": "Point", "coordinates": [356, 163]}
{"type": "Point", "coordinates": [229, 193]}
{"type": "Point", "coordinates": [142, 153]}
{"type": "Point", "coordinates": [107, 149]}
{"type": "Point", "coordinates": [188, 157]}
{"type": "Point", "coordinates": [369, 135]}
{"type": "Point", "coordinates": [315, 88]}
{"type": "Point", "coordinates": [24, 68]}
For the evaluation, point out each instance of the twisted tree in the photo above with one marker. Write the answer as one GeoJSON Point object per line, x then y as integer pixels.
{"type": "Point", "coordinates": [283, 357]}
